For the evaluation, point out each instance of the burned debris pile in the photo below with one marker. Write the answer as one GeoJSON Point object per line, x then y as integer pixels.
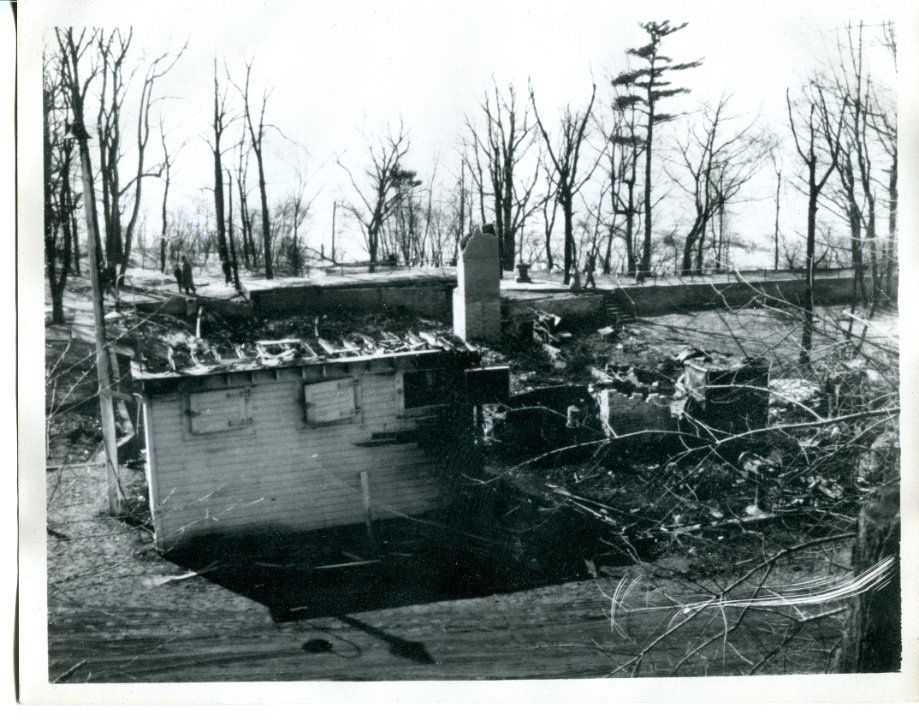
{"type": "Point", "coordinates": [686, 451]}
{"type": "Point", "coordinates": [692, 395]}
{"type": "Point", "coordinates": [167, 346]}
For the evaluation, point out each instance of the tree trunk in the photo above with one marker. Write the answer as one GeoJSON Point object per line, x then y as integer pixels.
{"type": "Point", "coordinates": [548, 225]}
{"type": "Point", "coordinates": [219, 214]}
{"type": "Point", "coordinates": [630, 237]}
{"type": "Point", "coordinates": [778, 205]}
{"type": "Point", "coordinates": [75, 240]}
{"type": "Point", "coordinates": [871, 237]}
{"type": "Point", "coordinates": [68, 210]}
{"type": "Point", "coordinates": [508, 256]}
{"type": "Point", "coordinates": [692, 237]}
{"type": "Point", "coordinates": [872, 642]}
{"type": "Point", "coordinates": [50, 217]}
{"type": "Point", "coordinates": [700, 247]}
{"type": "Point", "coordinates": [645, 266]}
{"type": "Point", "coordinates": [266, 221]}
{"type": "Point", "coordinates": [608, 254]}
{"type": "Point", "coordinates": [893, 195]}
{"type": "Point", "coordinates": [234, 263]}
{"type": "Point", "coordinates": [245, 225]}
{"type": "Point", "coordinates": [568, 212]}
{"type": "Point", "coordinates": [164, 223]}
{"type": "Point", "coordinates": [807, 333]}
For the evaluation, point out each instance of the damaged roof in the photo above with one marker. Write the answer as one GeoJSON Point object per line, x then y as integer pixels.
{"type": "Point", "coordinates": [173, 349]}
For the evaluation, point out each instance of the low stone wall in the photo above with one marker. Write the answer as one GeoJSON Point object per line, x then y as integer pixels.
{"type": "Point", "coordinates": [433, 298]}
{"type": "Point", "coordinates": [429, 297]}
{"type": "Point", "coordinates": [652, 300]}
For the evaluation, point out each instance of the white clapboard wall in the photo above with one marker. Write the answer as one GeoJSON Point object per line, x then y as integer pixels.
{"type": "Point", "coordinates": [276, 453]}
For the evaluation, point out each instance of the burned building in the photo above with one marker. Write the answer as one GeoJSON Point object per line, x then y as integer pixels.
{"type": "Point", "coordinates": [296, 435]}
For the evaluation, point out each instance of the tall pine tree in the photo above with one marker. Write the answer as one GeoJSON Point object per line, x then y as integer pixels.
{"type": "Point", "coordinates": [651, 81]}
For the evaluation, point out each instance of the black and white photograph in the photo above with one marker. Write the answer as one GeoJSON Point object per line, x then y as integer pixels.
{"type": "Point", "coordinates": [486, 341]}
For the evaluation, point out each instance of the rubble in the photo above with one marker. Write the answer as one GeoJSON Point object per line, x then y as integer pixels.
{"type": "Point", "coordinates": [725, 399]}
{"type": "Point", "coordinates": [691, 391]}
{"type": "Point", "coordinates": [166, 347]}
{"type": "Point", "coordinates": [622, 414]}
{"type": "Point", "coordinates": [539, 421]}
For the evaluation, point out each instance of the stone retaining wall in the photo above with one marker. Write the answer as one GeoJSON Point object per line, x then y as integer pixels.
{"type": "Point", "coordinates": [427, 297]}
{"type": "Point", "coordinates": [649, 300]}
{"type": "Point", "coordinates": [432, 298]}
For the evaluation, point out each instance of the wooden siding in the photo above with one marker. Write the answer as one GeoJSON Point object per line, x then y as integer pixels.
{"type": "Point", "coordinates": [281, 472]}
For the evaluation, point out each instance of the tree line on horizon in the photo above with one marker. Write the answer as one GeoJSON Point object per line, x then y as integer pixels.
{"type": "Point", "coordinates": [592, 181]}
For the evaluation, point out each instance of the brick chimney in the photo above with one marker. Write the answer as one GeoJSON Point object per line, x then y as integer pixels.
{"type": "Point", "coordinates": [477, 297]}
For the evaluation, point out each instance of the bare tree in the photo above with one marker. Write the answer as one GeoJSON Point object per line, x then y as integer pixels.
{"type": "Point", "coordinates": [564, 163]}
{"type": "Point", "coordinates": [160, 66]}
{"type": "Point", "coordinates": [472, 159]}
{"type": "Point", "coordinates": [168, 161]}
{"type": "Point", "coordinates": [219, 125]}
{"type": "Point", "coordinates": [777, 168]}
{"type": "Point", "coordinates": [381, 194]}
{"type": "Point", "coordinates": [256, 140]}
{"type": "Point", "coordinates": [289, 216]}
{"type": "Point", "coordinates": [650, 81]}
{"type": "Point", "coordinates": [250, 257]}
{"type": "Point", "coordinates": [817, 142]}
{"type": "Point", "coordinates": [715, 162]}
{"type": "Point", "coordinates": [113, 50]}
{"type": "Point", "coordinates": [886, 132]}
{"type": "Point", "coordinates": [234, 259]}
{"type": "Point", "coordinates": [505, 141]}
{"type": "Point", "coordinates": [548, 207]}
{"type": "Point", "coordinates": [854, 201]}
{"type": "Point", "coordinates": [401, 229]}
{"type": "Point", "coordinates": [124, 198]}
{"type": "Point", "coordinates": [883, 120]}
{"type": "Point", "coordinates": [622, 148]}
{"type": "Point", "coordinates": [60, 200]}
{"type": "Point", "coordinates": [456, 216]}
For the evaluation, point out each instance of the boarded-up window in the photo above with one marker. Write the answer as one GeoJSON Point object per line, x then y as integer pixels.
{"type": "Point", "coordinates": [422, 388]}
{"type": "Point", "coordinates": [332, 401]}
{"type": "Point", "coordinates": [219, 411]}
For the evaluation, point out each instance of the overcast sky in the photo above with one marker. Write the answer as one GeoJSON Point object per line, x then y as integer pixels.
{"type": "Point", "coordinates": [339, 72]}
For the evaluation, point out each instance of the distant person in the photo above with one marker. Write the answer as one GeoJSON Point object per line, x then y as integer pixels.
{"type": "Point", "coordinates": [107, 281]}
{"type": "Point", "coordinates": [177, 271]}
{"type": "Point", "coordinates": [188, 282]}
{"type": "Point", "coordinates": [589, 269]}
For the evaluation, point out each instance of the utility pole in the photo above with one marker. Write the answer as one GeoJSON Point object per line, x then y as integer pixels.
{"type": "Point", "coordinates": [103, 374]}
{"type": "Point", "coordinates": [334, 211]}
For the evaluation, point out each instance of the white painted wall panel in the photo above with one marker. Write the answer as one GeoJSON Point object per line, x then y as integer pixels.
{"type": "Point", "coordinates": [281, 471]}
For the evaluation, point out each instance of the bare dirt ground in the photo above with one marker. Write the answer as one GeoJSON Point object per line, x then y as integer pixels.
{"type": "Point", "coordinates": [120, 612]}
